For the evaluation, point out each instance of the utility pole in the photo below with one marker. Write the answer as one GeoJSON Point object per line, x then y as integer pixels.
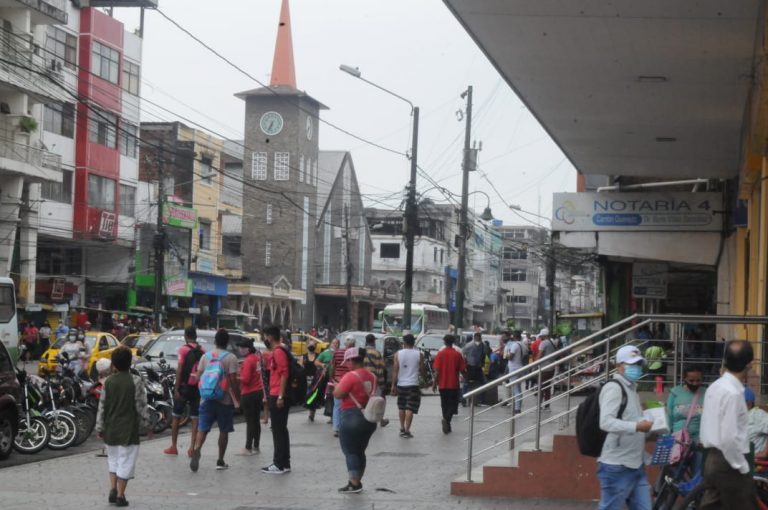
{"type": "Point", "coordinates": [348, 308]}
{"type": "Point", "coordinates": [411, 224]}
{"type": "Point", "coordinates": [159, 243]}
{"type": "Point", "coordinates": [463, 227]}
{"type": "Point", "coordinates": [551, 271]}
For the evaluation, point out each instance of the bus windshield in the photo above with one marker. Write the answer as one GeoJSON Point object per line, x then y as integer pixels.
{"type": "Point", "coordinates": [392, 322]}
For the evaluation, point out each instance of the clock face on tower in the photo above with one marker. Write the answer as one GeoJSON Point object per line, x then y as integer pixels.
{"type": "Point", "coordinates": [309, 128]}
{"type": "Point", "coordinates": [271, 123]}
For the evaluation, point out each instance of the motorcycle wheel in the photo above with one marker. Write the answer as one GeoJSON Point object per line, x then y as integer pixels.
{"type": "Point", "coordinates": [83, 425]}
{"type": "Point", "coordinates": [164, 419]}
{"type": "Point", "coordinates": [32, 436]}
{"type": "Point", "coordinates": [63, 431]}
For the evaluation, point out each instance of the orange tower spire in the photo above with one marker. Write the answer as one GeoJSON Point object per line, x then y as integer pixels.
{"type": "Point", "coordinates": [283, 69]}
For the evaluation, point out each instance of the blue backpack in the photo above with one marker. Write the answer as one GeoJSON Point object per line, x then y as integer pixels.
{"type": "Point", "coordinates": [214, 382]}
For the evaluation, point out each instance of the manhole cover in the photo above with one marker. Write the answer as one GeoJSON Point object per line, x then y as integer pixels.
{"type": "Point", "coordinates": [399, 454]}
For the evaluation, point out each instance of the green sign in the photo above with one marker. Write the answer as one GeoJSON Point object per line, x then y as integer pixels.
{"type": "Point", "coordinates": [179, 216]}
{"type": "Point", "coordinates": [178, 286]}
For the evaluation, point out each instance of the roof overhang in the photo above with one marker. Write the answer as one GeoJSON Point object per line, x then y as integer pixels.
{"type": "Point", "coordinates": [651, 88]}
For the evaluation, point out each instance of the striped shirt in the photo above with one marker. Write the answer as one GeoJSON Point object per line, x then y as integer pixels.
{"type": "Point", "coordinates": [374, 362]}
{"type": "Point", "coordinates": [339, 368]}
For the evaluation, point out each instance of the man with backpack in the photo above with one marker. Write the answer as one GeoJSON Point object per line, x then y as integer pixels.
{"type": "Point", "coordinates": [547, 346]}
{"type": "Point", "coordinates": [219, 394]}
{"type": "Point", "coordinates": [621, 464]}
{"type": "Point", "coordinates": [185, 390]}
{"type": "Point", "coordinates": [516, 354]}
{"type": "Point", "coordinates": [279, 374]}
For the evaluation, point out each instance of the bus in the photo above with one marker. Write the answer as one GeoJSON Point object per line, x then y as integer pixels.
{"type": "Point", "coordinates": [9, 327]}
{"type": "Point", "coordinates": [423, 318]}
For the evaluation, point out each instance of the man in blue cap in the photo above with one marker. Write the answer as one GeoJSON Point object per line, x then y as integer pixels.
{"type": "Point", "coordinates": [757, 427]}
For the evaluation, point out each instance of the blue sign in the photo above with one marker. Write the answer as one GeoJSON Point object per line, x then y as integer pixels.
{"type": "Point", "coordinates": [210, 285]}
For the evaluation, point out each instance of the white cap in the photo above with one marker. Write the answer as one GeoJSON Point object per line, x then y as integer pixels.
{"type": "Point", "coordinates": [630, 355]}
{"type": "Point", "coordinates": [544, 332]}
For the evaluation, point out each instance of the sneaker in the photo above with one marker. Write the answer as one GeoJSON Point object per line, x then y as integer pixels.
{"type": "Point", "coordinates": [449, 428]}
{"type": "Point", "coordinates": [402, 432]}
{"type": "Point", "coordinates": [245, 452]}
{"type": "Point", "coordinates": [194, 463]}
{"type": "Point", "coordinates": [273, 470]}
{"type": "Point", "coordinates": [287, 469]}
{"type": "Point", "coordinates": [384, 422]}
{"type": "Point", "coordinates": [171, 450]}
{"type": "Point", "coordinates": [221, 465]}
{"type": "Point", "coordinates": [121, 501]}
{"type": "Point", "coordinates": [407, 434]}
{"type": "Point", "coordinates": [446, 426]}
{"type": "Point", "coordinates": [351, 489]}
{"type": "Point", "coordinates": [112, 496]}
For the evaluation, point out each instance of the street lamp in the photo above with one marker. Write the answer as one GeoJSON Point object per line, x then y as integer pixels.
{"type": "Point", "coordinates": [411, 220]}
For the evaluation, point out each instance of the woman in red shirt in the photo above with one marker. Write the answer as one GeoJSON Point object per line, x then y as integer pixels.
{"type": "Point", "coordinates": [354, 390]}
{"type": "Point", "coordinates": [252, 395]}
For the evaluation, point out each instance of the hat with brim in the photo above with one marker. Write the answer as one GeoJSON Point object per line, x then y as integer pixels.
{"type": "Point", "coordinates": [629, 355]}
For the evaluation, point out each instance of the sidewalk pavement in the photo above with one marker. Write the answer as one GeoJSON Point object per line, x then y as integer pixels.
{"type": "Point", "coordinates": [402, 473]}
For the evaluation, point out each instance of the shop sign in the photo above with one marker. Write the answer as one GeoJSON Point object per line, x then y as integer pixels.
{"type": "Point", "coordinates": [206, 264]}
{"type": "Point", "coordinates": [179, 216]}
{"type": "Point", "coordinates": [107, 225]}
{"type": "Point", "coordinates": [194, 311]}
{"type": "Point", "coordinates": [33, 307]}
{"type": "Point", "coordinates": [649, 280]}
{"type": "Point", "coordinates": [177, 286]}
{"type": "Point", "coordinates": [57, 288]}
{"type": "Point", "coordinates": [60, 308]}
{"type": "Point", "coordinates": [209, 285]}
{"type": "Point", "coordinates": [636, 212]}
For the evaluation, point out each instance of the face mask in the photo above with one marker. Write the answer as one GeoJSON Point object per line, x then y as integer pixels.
{"type": "Point", "coordinates": [311, 348]}
{"type": "Point", "coordinates": [633, 372]}
{"type": "Point", "coordinates": [693, 387]}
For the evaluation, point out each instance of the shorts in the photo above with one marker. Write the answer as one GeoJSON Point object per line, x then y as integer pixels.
{"type": "Point", "coordinates": [189, 395]}
{"type": "Point", "coordinates": [409, 398]}
{"type": "Point", "coordinates": [122, 460]}
{"type": "Point", "coordinates": [214, 411]}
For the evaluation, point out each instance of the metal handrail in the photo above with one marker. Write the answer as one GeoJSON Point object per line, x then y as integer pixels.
{"type": "Point", "coordinates": [567, 355]}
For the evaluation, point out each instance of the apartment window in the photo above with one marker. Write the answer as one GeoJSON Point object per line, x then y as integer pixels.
{"type": "Point", "coordinates": [129, 142]}
{"type": "Point", "coordinates": [127, 200]}
{"type": "Point", "coordinates": [101, 192]}
{"type": "Point", "coordinates": [102, 128]}
{"type": "Point", "coordinates": [106, 62]}
{"type": "Point", "coordinates": [268, 254]}
{"type": "Point", "coordinates": [62, 46]}
{"type": "Point", "coordinates": [269, 214]}
{"type": "Point", "coordinates": [206, 171]}
{"type": "Point", "coordinates": [517, 233]}
{"type": "Point", "coordinates": [131, 77]}
{"type": "Point", "coordinates": [314, 173]}
{"type": "Point", "coordinates": [435, 255]}
{"type": "Point", "coordinates": [442, 255]}
{"type": "Point", "coordinates": [515, 254]}
{"type": "Point", "coordinates": [513, 275]}
{"type": "Point", "coordinates": [259, 166]}
{"type": "Point", "coordinates": [418, 285]}
{"type": "Point", "coordinates": [231, 246]}
{"type": "Point", "coordinates": [517, 299]}
{"type": "Point", "coordinates": [204, 234]}
{"type": "Point", "coordinates": [282, 169]}
{"type": "Point", "coordinates": [60, 119]}
{"type": "Point", "coordinates": [58, 191]}
{"type": "Point", "coordinates": [302, 169]}
{"type": "Point", "coordinates": [389, 251]}
{"type": "Point", "coordinates": [55, 261]}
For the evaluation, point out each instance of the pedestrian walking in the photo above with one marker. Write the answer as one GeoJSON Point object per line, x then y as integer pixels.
{"type": "Point", "coordinates": [516, 353]}
{"type": "Point", "coordinates": [44, 335]}
{"type": "Point", "coordinates": [474, 355]}
{"type": "Point", "coordinates": [354, 390]}
{"type": "Point", "coordinates": [251, 395]}
{"type": "Point", "coordinates": [279, 370]}
{"type": "Point", "coordinates": [408, 365]}
{"type": "Point", "coordinates": [374, 362]}
{"type": "Point", "coordinates": [337, 370]}
{"type": "Point", "coordinates": [449, 365]}
{"type": "Point", "coordinates": [725, 437]}
{"type": "Point", "coordinates": [547, 346]}
{"type": "Point", "coordinates": [324, 360]}
{"type": "Point", "coordinates": [315, 376]}
{"type": "Point", "coordinates": [219, 394]}
{"type": "Point", "coordinates": [30, 335]}
{"type": "Point", "coordinates": [122, 411]}
{"type": "Point", "coordinates": [621, 465]}
{"type": "Point", "coordinates": [185, 392]}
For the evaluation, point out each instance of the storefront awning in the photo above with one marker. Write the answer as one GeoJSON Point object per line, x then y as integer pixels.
{"type": "Point", "coordinates": [227, 312]}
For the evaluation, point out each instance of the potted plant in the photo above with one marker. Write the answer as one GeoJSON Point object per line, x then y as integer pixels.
{"type": "Point", "coordinates": [27, 124]}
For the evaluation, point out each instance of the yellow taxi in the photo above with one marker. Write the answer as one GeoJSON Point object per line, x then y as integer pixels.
{"type": "Point", "coordinates": [137, 342]}
{"type": "Point", "coordinates": [299, 344]}
{"type": "Point", "coordinates": [99, 343]}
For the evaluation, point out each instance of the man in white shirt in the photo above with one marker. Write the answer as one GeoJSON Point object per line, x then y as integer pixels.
{"type": "Point", "coordinates": [724, 435]}
{"type": "Point", "coordinates": [515, 352]}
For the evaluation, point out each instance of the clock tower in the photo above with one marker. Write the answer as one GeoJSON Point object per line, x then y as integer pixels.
{"type": "Point", "coordinates": [280, 193]}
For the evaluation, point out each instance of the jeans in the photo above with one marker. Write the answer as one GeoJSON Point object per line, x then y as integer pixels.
{"type": "Point", "coordinates": [545, 392]}
{"type": "Point", "coordinates": [280, 437]}
{"type": "Point", "coordinates": [449, 402]}
{"type": "Point", "coordinates": [336, 417]}
{"type": "Point", "coordinates": [354, 433]}
{"type": "Point", "coordinates": [620, 486]}
{"type": "Point", "coordinates": [251, 404]}
{"type": "Point", "coordinates": [517, 393]}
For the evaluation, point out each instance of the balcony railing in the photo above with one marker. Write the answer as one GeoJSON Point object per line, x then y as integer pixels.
{"type": "Point", "coordinates": [25, 66]}
{"type": "Point", "coordinates": [27, 154]}
{"type": "Point", "coordinates": [55, 9]}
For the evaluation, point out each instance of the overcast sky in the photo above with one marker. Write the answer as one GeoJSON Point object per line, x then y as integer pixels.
{"type": "Point", "coordinates": [413, 47]}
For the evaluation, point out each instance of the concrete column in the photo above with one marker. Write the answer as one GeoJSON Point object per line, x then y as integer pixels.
{"type": "Point", "coordinates": [10, 205]}
{"type": "Point", "coordinates": [28, 243]}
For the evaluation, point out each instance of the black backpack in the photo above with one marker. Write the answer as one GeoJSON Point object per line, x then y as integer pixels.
{"type": "Point", "coordinates": [190, 362]}
{"type": "Point", "coordinates": [589, 435]}
{"type": "Point", "coordinates": [296, 390]}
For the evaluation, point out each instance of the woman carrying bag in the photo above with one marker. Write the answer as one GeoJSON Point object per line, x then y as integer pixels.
{"type": "Point", "coordinates": [354, 390]}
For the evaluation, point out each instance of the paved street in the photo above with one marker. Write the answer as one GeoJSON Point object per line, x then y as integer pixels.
{"type": "Point", "coordinates": [402, 474]}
